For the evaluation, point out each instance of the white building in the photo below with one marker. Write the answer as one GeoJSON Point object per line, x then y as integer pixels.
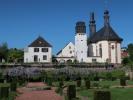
{"type": "Point", "coordinates": [101, 46]}
{"type": "Point", "coordinates": [38, 51]}
{"type": "Point", "coordinates": [67, 53]}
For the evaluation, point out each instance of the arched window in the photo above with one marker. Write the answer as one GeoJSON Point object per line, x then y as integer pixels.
{"type": "Point", "coordinates": [100, 50]}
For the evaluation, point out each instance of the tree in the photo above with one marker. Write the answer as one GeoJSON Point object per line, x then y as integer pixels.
{"type": "Point", "coordinates": [125, 61]}
{"type": "Point", "coordinates": [3, 51]}
{"type": "Point", "coordinates": [130, 51]}
{"type": "Point", "coordinates": [14, 55]}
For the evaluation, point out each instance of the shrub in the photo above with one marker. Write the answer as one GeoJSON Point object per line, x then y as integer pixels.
{"type": "Point", "coordinates": [106, 86]}
{"type": "Point", "coordinates": [1, 80]}
{"type": "Point", "coordinates": [123, 81]}
{"type": "Point", "coordinates": [47, 88]}
{"type": "Point", "coordinates": [49, 81]}
{"type": "Point", "coordinates": [95, 84]}
{"type": "Point", "coordinates": [61, 83]}
{"type": "Point", "coordinates": [118, 73]}
{"type": "Point", "coordinates": [71, 92]}
{"type": "Point", "coordinates": [96, 78]}
{"type": "Point", "coordinates": [21, 82]}
{"type": "Point", "coordinates": [78, 83]}
{"type": "Point", "coordinates": [13, 86]}
{"type": "Point", "coordinates": [67, 78]}
{"type": "Point", "coordinates": [102, 95]}
{"type": "Point", "coordinates": [0, 74]}
{"type": "Point", "coordinates": [59, 90]}
{"type": "Point", "coordinates": [108, 76]}
{"type": "Point", "coordinates": [87, 84]}
{"type": "Point", "coordinates": [4, 92]}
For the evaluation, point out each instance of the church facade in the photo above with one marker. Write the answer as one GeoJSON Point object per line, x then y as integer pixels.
{"type": "Point", "coordinates": [100, 46]}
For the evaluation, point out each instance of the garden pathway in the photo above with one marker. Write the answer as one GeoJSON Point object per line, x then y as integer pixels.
{"type": "Point", "coordinates": [26, 93]}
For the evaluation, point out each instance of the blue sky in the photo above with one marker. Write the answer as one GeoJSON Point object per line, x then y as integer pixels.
{"type": "Point", "coordinates": [22, 21]}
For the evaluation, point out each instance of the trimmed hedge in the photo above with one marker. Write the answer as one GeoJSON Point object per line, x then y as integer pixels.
{"type": "Point", "coordinates": [49, 81]}
{"type": "Point", "coordinates": [87, 84]}
{"type": "Point", "coordinates": [13, 86]}
{"type": "Point", "coordinates": [123, 82]}
{"type": "Point", "coordinates": [71, 92]}
{"type": "Point", "coordinates": [61, 84]}
{"type": "Point", "coordinates": [1, 80]}
{"type": "Point", "coordinates": [102, 95]}
{"type": "Point", "coordinates": [4, 92]}
{"type": "Point", "coordinates": [78, 83]}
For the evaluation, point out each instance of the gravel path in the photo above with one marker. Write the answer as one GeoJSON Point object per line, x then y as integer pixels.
{"type": "Point", "coordinates": [26, 94]}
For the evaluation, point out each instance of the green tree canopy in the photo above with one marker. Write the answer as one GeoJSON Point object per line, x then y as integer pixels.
{"type": "Point", "coordinates": [3, 50]}
{"type": "Point", "coordinates": [130, 51]}
{"type": "Point", "coordinates": [14, 55]}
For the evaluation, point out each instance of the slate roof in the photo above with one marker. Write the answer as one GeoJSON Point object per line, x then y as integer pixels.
{"type": "Point", "coordinates": [59, 52]}
{"type": "Point", "coordinates": [40, 42]}
{"type": "Point", "coordinates": [105, 33]}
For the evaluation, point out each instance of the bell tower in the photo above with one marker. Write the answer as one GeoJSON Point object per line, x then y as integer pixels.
{"type": "Point", "coordinates": [80, 42]}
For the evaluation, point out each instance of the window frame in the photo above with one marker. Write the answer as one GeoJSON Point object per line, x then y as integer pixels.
{"type": "Point", "coordinates": [36, 49]}
{"type": "Point", "coordinates": [45, 50]}
{"type": "Point", "coordinates": [45, 57]}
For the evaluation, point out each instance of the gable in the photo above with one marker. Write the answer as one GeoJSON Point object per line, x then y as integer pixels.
{"type": "Point", "coordinates": [40, 42]}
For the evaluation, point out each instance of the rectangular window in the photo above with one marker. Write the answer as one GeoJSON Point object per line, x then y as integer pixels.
{"type": "Point", "coordinates": [36, 49]}
{"type": "Point", "coordinates": [44, 49]}
{"type": "Point", "coordinates": [44, 57]}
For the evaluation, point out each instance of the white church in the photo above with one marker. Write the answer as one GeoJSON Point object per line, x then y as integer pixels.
{"type": "Point", "coordinates": [100, 46]}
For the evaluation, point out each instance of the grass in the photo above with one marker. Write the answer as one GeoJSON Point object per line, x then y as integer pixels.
{"type": "Point", "coordinates": [4, 84]}
{"type": "Point", "coordinates": [116, 93]}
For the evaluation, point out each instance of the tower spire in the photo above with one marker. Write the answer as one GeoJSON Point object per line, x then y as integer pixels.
{"type": "Point", "coordinates": [92, 24]}
{"type": "Point", "coordinates": [106, 18]}
{"type": "Point", "coordinates": [106, 4]}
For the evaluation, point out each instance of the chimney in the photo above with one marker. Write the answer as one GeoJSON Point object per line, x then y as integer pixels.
{"type": "Point", "coordinates": [92, 24]}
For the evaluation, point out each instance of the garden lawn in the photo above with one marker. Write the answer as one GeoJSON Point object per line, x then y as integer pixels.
{"type": "Point", "coordinates": [116, 93]}
{"type": "Point", "coordinates": [101, 83]}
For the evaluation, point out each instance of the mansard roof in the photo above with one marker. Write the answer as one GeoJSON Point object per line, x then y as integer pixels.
{"type": "Point", "coordinates": [105, 33]}
{"type": "Point", "coordinates": [40, 42]}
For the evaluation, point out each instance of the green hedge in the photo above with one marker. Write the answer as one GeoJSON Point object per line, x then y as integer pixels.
{"type": "Point", "coordinates": [78, 83]}
{"type": "Point", "coordinates": [61, 83]}
{"type": "Point", "coordinates": [4, 92]}
{"type": "Point", "coordinates": [87, 84]}
{"type": "Point", "coordinates": [13, 86]}
{"type": "Point", "coordinates": [102, 95]}
{"type": "Point", "coordinates": [71, 92]}
{"type": "Point", "coordinates": [123, 81]}
{"type": "Point", "coordinates": [1, 80]}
